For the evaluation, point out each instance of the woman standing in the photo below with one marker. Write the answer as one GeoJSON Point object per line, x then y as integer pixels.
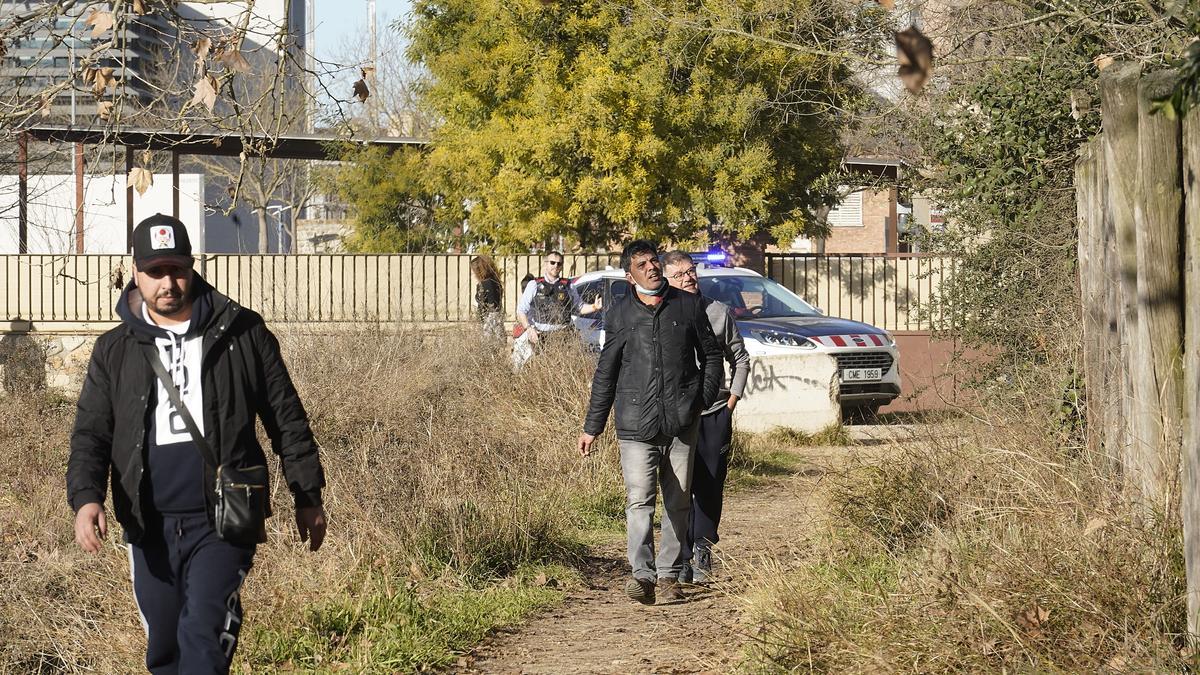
{"type": "Point", "coordinates": [489, 294]}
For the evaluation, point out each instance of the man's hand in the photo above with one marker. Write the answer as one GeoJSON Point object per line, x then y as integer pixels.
{"type": "Point", "coordinates": [598, 303]}
{"type": "Point", "coordinates": [88, 520]}
{"type": "Point", "coordinates": [585, 444]}
{"type": "Point", "coordinates": [733, 401]}
{"type": "Point", "coordinates": [310, 523]}
{"type": "Point", "coordinates": [532, 333]}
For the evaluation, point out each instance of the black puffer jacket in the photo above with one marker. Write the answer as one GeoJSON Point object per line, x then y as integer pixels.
{"type": "Point", "coordinates": [649, 366]}
{"type": "Point", "coordinates": [242, 374]}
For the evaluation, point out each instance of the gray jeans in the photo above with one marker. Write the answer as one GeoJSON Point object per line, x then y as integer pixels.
{"type": "Point", "coordinates": [643, 466]}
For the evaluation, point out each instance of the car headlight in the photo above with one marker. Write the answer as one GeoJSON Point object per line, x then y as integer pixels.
{"type": "Point", "coordinates": [780, 339]}
{"type": "Point", "coordinates": [891, 339]}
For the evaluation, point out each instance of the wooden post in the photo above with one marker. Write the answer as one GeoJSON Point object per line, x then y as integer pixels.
{"type": "Point", "coordinates": [1190, 454]}
{"type": "Point", "coordinates": [1118, 92]}
{"type": "Point", "coordinates": [1086, 170]}
{"type": "Point", "coordinates": [1116, 379]}
{"type": "Point", "coordinates": [79, 243]}
{"type": "Point", "coordinates": [1158, 213]}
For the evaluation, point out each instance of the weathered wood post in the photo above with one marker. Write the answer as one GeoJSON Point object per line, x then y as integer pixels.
{"type": "Point", "coordinates": [1158, 213]}
{"type": "Point", "coordinates": [1190, 455]}
{"type": "Point", "coordinates": [1118, 93]}
{"type": "Point", "coordinates": [1087, 170]}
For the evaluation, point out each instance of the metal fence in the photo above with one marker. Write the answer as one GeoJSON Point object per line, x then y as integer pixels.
{"type": "Point", "coordinates": [890, 292]}
{"type": "Point", "coordinates": [52, 291]}
{"type": "Point", "coordinates": [78, 292]}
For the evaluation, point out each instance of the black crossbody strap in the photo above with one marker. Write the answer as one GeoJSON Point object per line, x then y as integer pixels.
{"type": "Point", "coordinates": [206, 452]}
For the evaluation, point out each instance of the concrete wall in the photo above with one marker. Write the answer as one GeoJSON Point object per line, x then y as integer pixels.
{"type": "Point", "coordinates": [33, 362]}
{"type": "Point", "coordinates": [796, 391]}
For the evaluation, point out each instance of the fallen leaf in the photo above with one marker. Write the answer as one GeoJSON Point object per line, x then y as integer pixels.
{"type": "Point", "coordinates": [100, 21]}
{"type": "Point", "coordinates": [141, 179]}
{"type": "Point", "coordinates": [887, 4]}
{"type": "Point", "coordinates": [914, 51]}
{"type": "Point", "coordinates": [360, 91]}
{"type": "Point", "coordinates": [1093, 525]}
{"type": "Point", "coordinates": [206, 92]}
{"type": "Point", "coordinates": [541, 579]}
{"type": "Point", "coordinates": [1033, 619]}
{"type": "Point", "coordinates": [104, 109]}
{"type": "Point", "coordinates": [234, 60]}
{"type": "Point", "coordinates": [139, 7]}
{"type": "Point", "coordinates": [1103, 61]}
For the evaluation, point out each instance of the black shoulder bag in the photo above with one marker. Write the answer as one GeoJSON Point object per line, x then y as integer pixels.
{"type": "Point", "coordinates": [241, 494]}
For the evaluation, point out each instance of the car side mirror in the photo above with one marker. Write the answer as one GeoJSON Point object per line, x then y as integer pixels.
{"type": "Point", "coordinates": [819, 311]}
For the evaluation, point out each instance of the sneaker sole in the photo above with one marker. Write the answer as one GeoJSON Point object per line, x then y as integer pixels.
{"type": "Point", "coordinates": [639, 593]}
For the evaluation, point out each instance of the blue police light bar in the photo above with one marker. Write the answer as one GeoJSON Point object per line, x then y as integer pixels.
{"type": "Point", "coordinates": [716, 256]}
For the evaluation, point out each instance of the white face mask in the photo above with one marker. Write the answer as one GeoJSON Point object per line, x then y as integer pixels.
{"type": "Point", "coordinates": [662, 288]}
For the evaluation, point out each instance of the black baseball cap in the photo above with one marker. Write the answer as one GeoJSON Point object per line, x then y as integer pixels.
{"type": "Point", "coordinates": [161, 239]}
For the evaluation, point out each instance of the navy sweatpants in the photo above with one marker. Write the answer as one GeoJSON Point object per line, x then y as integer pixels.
{"type": "Point", "coordinates": [187, 584]}
{"type": "Point", "coordinates": [708, 478]}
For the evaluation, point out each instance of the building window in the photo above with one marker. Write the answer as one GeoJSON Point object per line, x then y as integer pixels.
{"type": "Point", "coordinates": [848, 213]}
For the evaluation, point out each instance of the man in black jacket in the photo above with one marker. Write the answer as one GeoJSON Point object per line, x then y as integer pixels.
{"type": "Point", "coordinates": [226, 368]}
{"type": "Point", "coordinates": [656, 341]}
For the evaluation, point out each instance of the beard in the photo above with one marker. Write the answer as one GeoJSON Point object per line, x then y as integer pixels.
{"type": "Point", "coordinates": [168, 303]}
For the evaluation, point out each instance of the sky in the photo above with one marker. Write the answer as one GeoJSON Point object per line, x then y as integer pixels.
{"type": "Point", "coordinates": [341, 20]}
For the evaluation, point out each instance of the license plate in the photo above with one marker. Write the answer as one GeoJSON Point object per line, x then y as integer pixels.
{"type": "Point", "coordinates": [861, 374]}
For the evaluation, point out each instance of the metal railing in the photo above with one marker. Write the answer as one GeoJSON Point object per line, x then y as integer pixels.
{"type": "Point", "coordinates": [316, 288]}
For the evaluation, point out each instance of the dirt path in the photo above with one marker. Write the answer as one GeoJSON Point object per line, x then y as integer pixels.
{"type": "Point", "coordinates": [599, 630]}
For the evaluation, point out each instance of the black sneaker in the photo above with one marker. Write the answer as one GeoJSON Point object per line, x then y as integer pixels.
{"type": "Point", "coordinates": [641, 590]}
{"type": "Point", "coordinates": [685, 573]}
{"type": "Point", "coordinates": [701, 566]}
{"type": "Point", "coordinates": [669, 591]}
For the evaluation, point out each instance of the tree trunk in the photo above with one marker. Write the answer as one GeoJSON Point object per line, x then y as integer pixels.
{"type": "Point", "coordinates": [263, 243]}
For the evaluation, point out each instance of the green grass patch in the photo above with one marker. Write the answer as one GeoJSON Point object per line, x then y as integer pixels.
{"type": "Point", "coordinates": [600, 513]}
{"type": "Point", "coordinates": [393, 625]}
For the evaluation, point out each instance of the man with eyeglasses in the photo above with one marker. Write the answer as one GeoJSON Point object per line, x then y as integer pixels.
{"type": "Point", "coordinates": [171, 390]}
{"type": "Point", "coordinates": [716, 425]}
{"type": "Point", "coordinates": [545, 308]}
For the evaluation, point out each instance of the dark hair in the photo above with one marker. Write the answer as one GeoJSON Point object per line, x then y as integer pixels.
{"type": "Point", "coordinates": [557, 253]}
{"type": "Point", "coordinates": [636, 247]}
{"type": "Point", "coordinates": [484, 268]}
{"type": "Point", "coordinates": [675, 258]}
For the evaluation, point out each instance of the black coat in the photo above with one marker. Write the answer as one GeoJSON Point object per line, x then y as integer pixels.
{"type": "Point", "coordinates": [242, 375]}
{"type": "Point", "coordinates": [651, 367]}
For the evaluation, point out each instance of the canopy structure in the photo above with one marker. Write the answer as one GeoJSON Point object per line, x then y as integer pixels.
{"type": "Point", "coordinates": [313, 147]}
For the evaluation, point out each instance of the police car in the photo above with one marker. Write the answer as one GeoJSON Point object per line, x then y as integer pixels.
{"type": "Point", "coordinates": [773, 320]}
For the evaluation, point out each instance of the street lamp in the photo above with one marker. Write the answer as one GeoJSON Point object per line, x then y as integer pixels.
{"type": "Point", "coordinates": [277, 211]}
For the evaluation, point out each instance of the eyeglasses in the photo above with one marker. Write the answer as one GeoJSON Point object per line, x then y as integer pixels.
{"type": "Point", "coordinates": [555, 263]}
{"type": "Point", "coordinates": [689, 272]}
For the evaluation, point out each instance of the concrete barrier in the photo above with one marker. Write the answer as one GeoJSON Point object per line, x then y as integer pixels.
{"type": "Point", "coordinates": [795, 391]}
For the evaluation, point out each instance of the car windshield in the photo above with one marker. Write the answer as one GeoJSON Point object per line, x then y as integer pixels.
{"type": "Point", "coordinates": [755, 297]}
{"type": "Point", "coordinates": [747, 296]}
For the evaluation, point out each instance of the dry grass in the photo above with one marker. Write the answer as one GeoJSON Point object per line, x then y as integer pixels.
{"type": "Point", "coordinates": [446, 474]}
{"type": "Point", "coordinates": [1000, 546]}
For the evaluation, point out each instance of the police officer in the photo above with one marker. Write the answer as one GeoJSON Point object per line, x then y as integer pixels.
{"type": "Point", "coordinates": [546, 306]}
